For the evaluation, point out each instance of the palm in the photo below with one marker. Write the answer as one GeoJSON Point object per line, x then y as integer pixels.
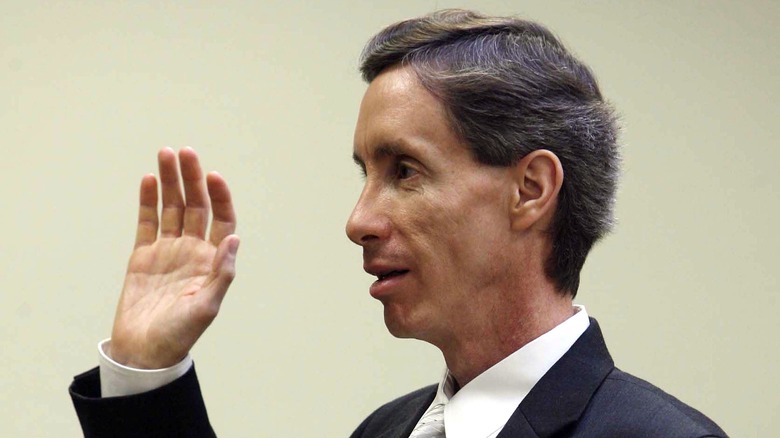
{"type": "Point", "coordinates": [175, 282]}
{"type": "Point", "coordinates": [176, 270]}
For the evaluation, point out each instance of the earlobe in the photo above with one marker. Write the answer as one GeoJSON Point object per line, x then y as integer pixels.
{"type": "Point", "coordinates": [538, 177]}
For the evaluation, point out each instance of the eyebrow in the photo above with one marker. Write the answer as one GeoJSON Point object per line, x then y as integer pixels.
{"type": "Point", "coordinates": [383, 151]}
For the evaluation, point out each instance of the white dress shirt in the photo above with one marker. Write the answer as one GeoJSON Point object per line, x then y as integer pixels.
{"type": "Point", "coordinates": [481, 408]}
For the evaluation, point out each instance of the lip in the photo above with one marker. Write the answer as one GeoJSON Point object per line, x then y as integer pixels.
{"type": "Point", "coordinates": [385, 287]}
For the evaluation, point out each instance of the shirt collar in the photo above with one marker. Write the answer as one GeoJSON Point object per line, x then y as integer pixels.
{"type": "Point", "coordinates": [483, 406]}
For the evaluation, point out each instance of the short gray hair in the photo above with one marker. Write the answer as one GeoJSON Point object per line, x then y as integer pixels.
{"type": "Point", "coordinates": [510, 87]}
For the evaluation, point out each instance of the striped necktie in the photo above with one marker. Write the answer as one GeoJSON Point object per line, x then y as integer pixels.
{"type": "Point", "coordinates": [431, 425]}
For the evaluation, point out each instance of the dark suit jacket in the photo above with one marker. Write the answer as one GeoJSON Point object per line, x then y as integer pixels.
{"type": "Point", "coordinates": [583, 395]}
{"type": "Point", "coordinates": [174, 410]}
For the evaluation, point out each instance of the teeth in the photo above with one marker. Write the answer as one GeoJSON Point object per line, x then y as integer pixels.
{"type": "Point", "coordinates": [390, 274]}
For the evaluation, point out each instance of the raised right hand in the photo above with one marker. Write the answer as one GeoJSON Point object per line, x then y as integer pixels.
{"type": "Point", "coordinates": [176, 279]}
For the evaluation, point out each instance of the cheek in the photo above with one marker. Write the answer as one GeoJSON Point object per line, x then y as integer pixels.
{"type": "Point", "coordinates": [455, 238]}
{"type": "Point", "coordinates": [488, 240]}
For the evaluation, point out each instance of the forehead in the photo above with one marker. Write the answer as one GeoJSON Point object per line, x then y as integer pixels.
{"type": "Point", "coordinates": [397, 112]}
{"type": "Point", "coordinates": [395, 90]}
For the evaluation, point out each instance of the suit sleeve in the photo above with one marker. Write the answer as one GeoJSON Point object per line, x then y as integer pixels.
{"type": "Point", "coordinates": [174, 410]}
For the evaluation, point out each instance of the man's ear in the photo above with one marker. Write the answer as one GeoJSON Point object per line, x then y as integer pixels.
{"type": "Point", "coordinates": [538, 178]}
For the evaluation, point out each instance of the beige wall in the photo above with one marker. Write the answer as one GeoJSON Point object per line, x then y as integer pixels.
{"type": "Point", "coordinates": [686, 289]}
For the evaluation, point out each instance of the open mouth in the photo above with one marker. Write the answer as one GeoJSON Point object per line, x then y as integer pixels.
{"type": "Point", "coordinates": [390, 274]}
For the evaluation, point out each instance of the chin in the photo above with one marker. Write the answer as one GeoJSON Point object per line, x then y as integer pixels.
{"type": "Point", "coordinates": [401, 324]}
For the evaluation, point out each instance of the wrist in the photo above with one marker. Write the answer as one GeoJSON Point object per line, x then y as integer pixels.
{"type": "Point", "coordinates": [134, 357]}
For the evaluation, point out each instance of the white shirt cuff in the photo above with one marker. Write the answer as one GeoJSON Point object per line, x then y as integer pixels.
{"type": "Point", "coordinates": [118, 380]}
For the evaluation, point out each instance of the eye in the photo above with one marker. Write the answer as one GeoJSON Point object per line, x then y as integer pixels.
{"type": "Point", "coordinates": [404, 171]}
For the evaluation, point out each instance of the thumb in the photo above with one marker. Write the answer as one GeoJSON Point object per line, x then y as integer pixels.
{"type": "Point", "coordinates": [223, 269]}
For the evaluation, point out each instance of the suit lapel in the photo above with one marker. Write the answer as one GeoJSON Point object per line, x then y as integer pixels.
{"type": "Point", "coordinates": [558, 400]}
{"type": "Point", "coordinates": [409, 416]}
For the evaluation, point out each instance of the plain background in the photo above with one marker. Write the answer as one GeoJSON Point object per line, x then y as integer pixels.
{"type": "Point", "coordinates": [686, 289]}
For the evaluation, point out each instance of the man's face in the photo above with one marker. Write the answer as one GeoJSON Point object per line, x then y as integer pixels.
{"type": "Point", "coordinates": [432, 221]}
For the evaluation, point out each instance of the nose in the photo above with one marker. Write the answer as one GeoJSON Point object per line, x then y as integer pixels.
{"type": "Point", "coordinates": [368, 221]}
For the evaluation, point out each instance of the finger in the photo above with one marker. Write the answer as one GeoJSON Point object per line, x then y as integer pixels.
{"type": "Point", "coordinates": [196, 213]}
{"type": "Point", "coordinates": [172, 199]}
{"type": "Point", "coordinates": [222, 275]}
{"type": "Point", "coordinates": [146, 233]}
{"type": "Point", "coordinates": [224, 221]}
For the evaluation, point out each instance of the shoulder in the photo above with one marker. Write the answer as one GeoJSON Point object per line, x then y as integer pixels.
{"type": "Point", "coordinates": [397, 414]}
{"type": "Point", "coordinates": [630, 406]}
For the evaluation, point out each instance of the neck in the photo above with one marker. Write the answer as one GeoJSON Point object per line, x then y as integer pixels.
{"type": "Point", "coordinates": [504, 329]}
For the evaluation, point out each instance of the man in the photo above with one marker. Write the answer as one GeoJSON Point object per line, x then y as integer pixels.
{"type": "Point", "coordinates": [490, 162]}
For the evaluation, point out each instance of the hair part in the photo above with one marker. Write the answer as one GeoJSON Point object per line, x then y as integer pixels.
{"type": "Point", "coordinates": [510, 87]}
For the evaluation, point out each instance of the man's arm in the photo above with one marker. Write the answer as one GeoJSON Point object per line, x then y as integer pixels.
{"type": "Point", "coordinates": [173, 410]}
{"type": "Point", "coordinates": [176, 279]}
